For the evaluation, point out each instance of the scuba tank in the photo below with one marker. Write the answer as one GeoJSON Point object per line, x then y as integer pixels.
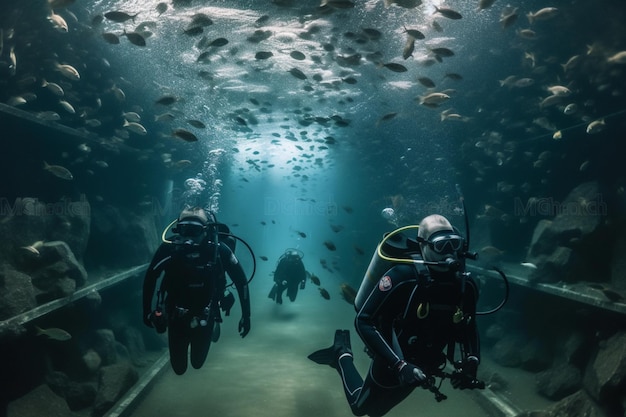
{"type": "Point", "coordinates": [395, 247]}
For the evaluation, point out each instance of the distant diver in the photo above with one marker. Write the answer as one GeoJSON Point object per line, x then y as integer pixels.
{"type": "Point", "coordinates": [193, 288]}
{"type": "Point", "coordinates": [290, 275]}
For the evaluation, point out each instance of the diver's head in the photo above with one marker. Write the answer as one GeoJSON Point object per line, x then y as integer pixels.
{"type": "Point", "coordinates": [292, 254]}
{"type": "Point", "coordinates": [192, 223]}
{"type": "Point", "coordinates": [438, 239]}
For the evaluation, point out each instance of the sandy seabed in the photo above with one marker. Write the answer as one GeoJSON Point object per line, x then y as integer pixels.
{"type": "Point", "coordinates": [268, 373]}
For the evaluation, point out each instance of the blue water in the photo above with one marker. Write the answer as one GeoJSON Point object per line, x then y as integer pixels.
{"type": "Point", "coordinates": [281, 157]}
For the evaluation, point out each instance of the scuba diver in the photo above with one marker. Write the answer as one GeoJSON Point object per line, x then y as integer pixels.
{"type": "Point", "coordinates": [290, 275]}
{"type": "Point", "coordinates": [408, 313]}
{"type": "Point", "coordinates": [193, 288]}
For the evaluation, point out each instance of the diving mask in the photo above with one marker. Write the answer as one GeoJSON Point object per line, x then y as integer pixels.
{"type": "Point", "coordinates": [444, 242]}
{"type": "Point", "coordinates": [189, 229]}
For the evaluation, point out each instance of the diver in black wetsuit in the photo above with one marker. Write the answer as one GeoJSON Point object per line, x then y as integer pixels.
{"type": "Point", "coordinates": [406, 321]}
{"type": "Point", "coordinates": [290, 275]}
{"type": "Point", "coordinates": [192, 290]}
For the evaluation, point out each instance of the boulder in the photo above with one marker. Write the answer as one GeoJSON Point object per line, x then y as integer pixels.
{"type": "Point", "coordinates": [559, 381]}
{"type": "Point", "coordinates": [39, 399]}
{"type": "Point", "coordinates": [104, 344]}
{"type": "Point", "coordinates": [31, 220]}
{"type": "Point", "coordinates": [80, 395]}
{"type": "Point", "coordinates": [578, 404]}
{"type": "Point", "coordinates": [17, 293]}
{"type": "Point", "coordinates": [122, 238]}
{"type": "Point", "coordinates": [605, 376]}
{"type": "Point", "coordinates": [56, 272]}
{"type": "Point", "coordinates": [506, 351]}
{"type": "Point", "coordinates": [567, 247]}
{"type": "Point", "coordinates": [535, 356]}
{"type": "Point", "coordinates": [113, 382]}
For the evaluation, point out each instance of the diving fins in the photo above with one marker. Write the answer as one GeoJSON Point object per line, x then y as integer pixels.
{"type": "Point", "coordinates": [330, 356]}
{"type": "Point", "coordinates": [272, 293]}
{"type": "Point", "coordinates": [217, 331]}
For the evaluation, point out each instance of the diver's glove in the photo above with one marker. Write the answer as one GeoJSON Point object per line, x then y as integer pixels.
{"type": "Point", "coordinates": [244, 326]}
{"type": "Point", "coordinates": [464, 377]}
{"type": "Point", "coordinates": [409, 374]}
{"type": "Point", "coordinates": [147, 319]}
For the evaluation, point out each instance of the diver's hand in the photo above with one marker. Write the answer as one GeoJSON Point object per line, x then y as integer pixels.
{"type": "Point", "coordinates": [409, 374]}
{"type": "Point", "coordinates": [147, 319]}
{"type": "Point", "coordinates": [465, 376]}
{"type": "Point", "coordinates": [244, 326]}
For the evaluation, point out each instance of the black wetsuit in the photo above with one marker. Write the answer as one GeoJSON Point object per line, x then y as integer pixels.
{"type": "Point", "coordinates": [290, 275]}
{"type": "Point", "coordinates": [391, 312]}
{"type": "Point", "coordinates": [192, 287]}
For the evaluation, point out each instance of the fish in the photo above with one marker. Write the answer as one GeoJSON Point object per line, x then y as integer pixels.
{"type": "Point", "coordinates": [297, 73]}
{"type": "Point", "coordinates": [161, 8]}
{"type": "Point", "coordinates": [570, 109]}
{"type": "Point", "coordinates": [618, 58]}
{"type": "Point", "coordinates": [336, 228]}
{"type": "Point", "coordinates": [67, 107]}
{"type": "Point", "coordinates": [409, 47]}
{"type": "Point", "coordinates": [529, 265]}
{"type": "Point", "coordinates": [135, 38]}
{"type": "Point", "coordinates": [386, 117]}
{"type": "Point", "coordinates": [297, 55]}
{"type": "Point", "coordinates": [58, 171]}
{"type": "Point", "coordinates": [485, 4]}
{"type": "Point", "coordinates": [433, 99]}
{"type": "Point", "coordinates": [54, 88]}
{"type": "Point", "coordinates": [348, 293]}
{"type": "Point", "coordinates": [414, 33]}
{"type": "Point", "coordinates": [218, 42]}
{"type": "Point", "coordinates": [426, 82]}
{"type": "Point", "coordinates": [315, 279]}
{"type": "Point", "coordinates": [166, 100]}
{"type": "Point", "coordinates": [196, 123]}
{"type": "Point", "coordinates": [442, 52]}
{"type": "Point", "coordinates": [263, 258]}
{"type": "Point", "coordinates": [58, 23]}
{"type": "Point", "coordinates": [263, 55]}
{"type": "Point", "coordinates": [449, 13]}
{"type": "Point", "coordinates": [54, 333]}
{"type": "Point", "coordinates": [111, 38]}
{"type": "Point", "coordinates": [34, 247]}
{"type": "Point", "coordinates": [184, 135]}
{"type": "Point", "coordinates": [337, 4]}
{"type": "Point", "coordinates": [596, 126]}
{"type": "Point", "coordinates": [330, 245]}
{"type": "Point", "coordinates": [68, 71]}
{"type": "Point", "coordinates": [559, 90]}
{"type": "Point", "coordinates": [132, 116]}
{"type": "Point", "coordinates": [120, 17]}
{"type": "Point", "coordinates": [164, 117]}
{"type": "Point", "coordinates": [324, 293]}
{"type": "Point", "coordinates": [557, 135]}
{"type": "Point", "coordinates": [542, 14]}
{"type": "Point", "coordinates": [135, 127]}
{"type": "Point", "coordinates": [302, 234]}
{"type": "Point", "coordinates": [508, 17]}
{"type": "Point", "coordinates": [453, 76]}
{"type": "Point", "coordinates": [407, 4]}
{"type": "Point", "coordinates": [395, 67]}
{"type": "Point", "coordinates": [193, 30]}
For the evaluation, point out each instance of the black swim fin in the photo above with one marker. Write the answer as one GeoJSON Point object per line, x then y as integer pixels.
{"type": "Point", "coordinates": [217, 331]}
{"type": "Point", "coordinates": [272, 293]}
{"type": "Point", "coordinates": [330, 356]}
